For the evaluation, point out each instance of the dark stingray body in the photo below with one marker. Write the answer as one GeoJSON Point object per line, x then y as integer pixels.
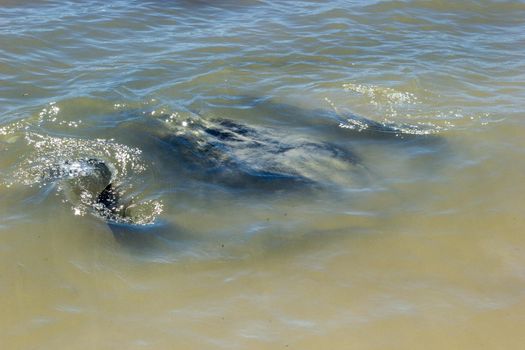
{"type": "Point", "coordinates": [235, 154]}
{"type": "Point", "coordinates": [218, 151]}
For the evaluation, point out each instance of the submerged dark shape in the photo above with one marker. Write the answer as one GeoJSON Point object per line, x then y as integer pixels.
{"type": "Point", "coordinates": [215, 151]}
{"type": "Point", "coordinates": [241, 156]}
{"type": "Point", "coordinates": [237, 155]}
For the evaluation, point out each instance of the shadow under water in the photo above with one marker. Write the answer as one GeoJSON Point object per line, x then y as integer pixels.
{"type": "Point", "coordinates": [304, 151]}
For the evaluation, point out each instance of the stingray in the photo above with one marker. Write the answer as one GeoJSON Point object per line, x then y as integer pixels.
{"type": "Point", "coordinates": [223, 151]}
{"type": "Point", "coordinates": [234, 154]}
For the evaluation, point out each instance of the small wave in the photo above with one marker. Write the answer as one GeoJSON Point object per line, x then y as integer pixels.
{"type": "Point", "coordinates": [388, 101]}
{"type": "Point", "coordinates": [57, 160]}
{"type": "Point", "coordinates": [404, 112]}
{"type": "Point", "coordinates": [48, 151]}
{"type": "Point", "coordinates": [379, 95]}
{"type": "Point", "coordinates": [391, 127]}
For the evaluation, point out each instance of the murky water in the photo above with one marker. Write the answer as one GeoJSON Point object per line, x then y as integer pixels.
{"type": "Point", "coordinates": [320, 231]}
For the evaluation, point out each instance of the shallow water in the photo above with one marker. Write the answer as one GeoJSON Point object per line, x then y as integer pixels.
{"type": "Point", "coordinates": [418, 244]}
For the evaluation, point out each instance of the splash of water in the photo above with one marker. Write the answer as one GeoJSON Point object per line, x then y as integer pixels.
{"type": "Point", "coordinates": [48, 153]}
